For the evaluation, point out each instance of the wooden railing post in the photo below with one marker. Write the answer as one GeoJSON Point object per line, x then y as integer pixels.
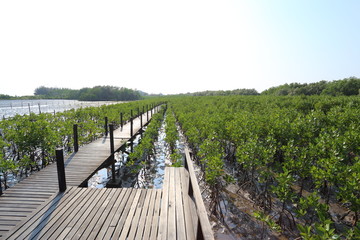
{"type": "Point", "coordinates": [147, 113]}
{"type": "Point", "coordinates": [1, 191]}
{"type": "Point", "coordinates": [131, 124]}
{"type": "Point", "coordinates": [141, 122]}
{"type": "Point", "coordinates": [121, 120]}
{"type": "Point", "coordinates": [106, 126]}
{"type": "Point", "coordinates": [76, 139]}
{"type": "Point", "coordinates": [112, 151]}
{"type": "Point", "coordinates": [61, 169]}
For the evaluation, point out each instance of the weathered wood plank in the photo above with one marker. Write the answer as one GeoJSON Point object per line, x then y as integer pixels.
{"type": "Point", "coordinates": [190, 233]}
{"type": "Point", "coordinates": [110, 224]}
{"type": "Point", "coordinates": [135, 224]}
{"type": "Point", "coordinates": [156, 215]}
{"type": "Point", "coordinates": [130, 216]}
{"type": "Point", "coordinates": [90, 214]}
{"type": "Point", "coordinates": [96, 218]}
{"type": "Point", "coordinates": [143, 216]}
{"type": "Point", "coordinates": [122, 214]}
{"type": "Point", "coordinates": [200, 207]}
{"type": "Point", "coordinates": [84, 212]}
{"type": "Point", "coordinates": [106, 214]}
{"type": "Point", "coordinates": [180, 220]}
{"type": "Point", "coordinates": [163, 225]}
{"type": "Point", "coordinates": [35, 217]}
{"type": "Point", "coordinates": [67, 210]}
{"type": "Point", "coordinates": [149, 216]}
{"type": "Point", "coordinates": [171, 231]}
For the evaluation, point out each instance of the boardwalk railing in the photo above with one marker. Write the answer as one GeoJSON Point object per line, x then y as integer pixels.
{"type": "Point", "coordinates": [202, 227]}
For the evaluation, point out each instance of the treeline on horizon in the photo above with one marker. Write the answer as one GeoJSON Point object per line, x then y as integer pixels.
{"type": "Point", "coordinates": [98, 93]}
{"type": "Point", "coordinates": [344, 87]}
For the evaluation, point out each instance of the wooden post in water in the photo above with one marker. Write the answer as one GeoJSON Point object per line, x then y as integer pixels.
{"type": "Point", "coordinates": [106, 126]}
{"type": "Point", "coordinates": [61, 169]}
{"type": "Point", "coordinates": [112, 151]}
{"type": "Point", "coordinates": [39, 108]}
{"type": "Point", "coordinates": [29, 108]}
{"type": "Point", "coordinates": [76, 139]}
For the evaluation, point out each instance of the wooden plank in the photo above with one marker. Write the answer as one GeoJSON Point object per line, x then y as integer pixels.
{"type": "Point", "coordinates": [162, 233]}
{"type": "Point", "coordinates": [135, 223]}
{"type": "Point", "coordinates": [98, 219]}
{"type": "Point", "coordinates": [171, 231]}
{"type": "Point", "coordinates": [25, 226]}
{"type": "Point", "coordinates": [201, 210]}
{"type": "Point", "coordinates": [121, 217]}
{"type": "Point", "coordinates": [156, 215]}
{"type": "Point", "coordinates": [149, 216]}
{"type": "Point", "coordinates": [180, 220]}
{"type": "Point", "coordinates": [114, 215]}
{"type": "Point", "coordinates": [88, 222]}
{"type": "Point", "coordinates": [127, 225]}
{"type": "Point", "coordinates": [106, 213]}
{"type": "Point", "coordinates": [42, 223]}
{"type": "Point", "coordinates": [66, 211]}
{"type": "Point", "coordinates": [146, 211]}
{"type": "Point", "coordinates": [83, 213]}
{"type": "Point", "coordinates": [190, 233]}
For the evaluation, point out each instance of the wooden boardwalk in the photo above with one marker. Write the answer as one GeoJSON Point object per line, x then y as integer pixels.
{"type": "Point", "coordinates": [34, 208]}
{"type": "Point", "coordinates": [114, 213]}
{"type": "Point", "coordinates": [20, 201]}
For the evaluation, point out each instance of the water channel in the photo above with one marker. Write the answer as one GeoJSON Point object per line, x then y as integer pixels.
{"type": "Point", "coordinates": [150, 176]}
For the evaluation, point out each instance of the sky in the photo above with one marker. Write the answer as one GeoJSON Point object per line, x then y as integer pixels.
{"type": "Point", "coordinates": [170, 47]}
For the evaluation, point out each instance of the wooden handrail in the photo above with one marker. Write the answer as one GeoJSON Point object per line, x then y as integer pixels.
{"type": "Point", "coordinates": [204, 230]}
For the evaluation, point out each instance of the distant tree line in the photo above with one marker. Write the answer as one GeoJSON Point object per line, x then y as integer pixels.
{"type": "Point", "coordinates": [345, 87]}
{"type": "Point", "coordinates": [5, 97]}
{"type": "Point", "coordinates": [242, 91]}
{"type": "Point", "coordinates": [98, 93]}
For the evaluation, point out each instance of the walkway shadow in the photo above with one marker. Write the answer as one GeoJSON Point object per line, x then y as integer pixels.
{"type": "Point", "coordinates": [47, 215]}
{"type": "Point", "coordinates": [68, 161]}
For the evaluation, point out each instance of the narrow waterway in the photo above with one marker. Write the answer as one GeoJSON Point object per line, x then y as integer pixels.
{"type": "Point", "coordinates": [150, 176]}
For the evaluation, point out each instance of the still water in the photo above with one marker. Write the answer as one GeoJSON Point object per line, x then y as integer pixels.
{"type": "Point", "coordinates": [9, 108]}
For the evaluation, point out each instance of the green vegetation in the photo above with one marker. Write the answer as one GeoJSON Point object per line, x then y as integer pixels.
{"type": "Point", "coordinates": [242, 91]}
{"type": "Point", "coordinates": [172, 136]}
{"type": "Point", "coordinates": [143, 151]}
{"type": "Point", "coordinates": [98, 93]}
{"type": "Point", "coordinates": [345, 87]}
{"type": "Point", "coordinates": [5, 97]}
{"type": "Point", "coordinates": [293, 155]}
